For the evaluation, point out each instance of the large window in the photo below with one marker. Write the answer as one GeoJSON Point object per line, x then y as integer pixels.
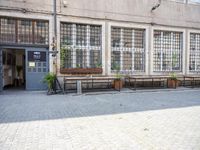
{"type": "Point", "coordinates": [81, 46]}
{"type": "Point", "coordinates": [128, 50]}
{"type": "Point", "coordinates": [167, 54]}
{"type": "Point", "coordinates": [24, 31]}
{"type": "Point", "coordinates": [194, 65]}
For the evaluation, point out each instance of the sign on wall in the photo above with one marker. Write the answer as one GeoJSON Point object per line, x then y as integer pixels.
{"type": "Point", "coordinates": [36, 56]}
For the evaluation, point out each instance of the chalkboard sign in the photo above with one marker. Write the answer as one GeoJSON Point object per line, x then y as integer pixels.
{"type": "Point", "coordinates": [36, 56]}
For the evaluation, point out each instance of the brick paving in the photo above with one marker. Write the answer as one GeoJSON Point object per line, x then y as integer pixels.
{"type": "Point", "coordinates": [127, 121]}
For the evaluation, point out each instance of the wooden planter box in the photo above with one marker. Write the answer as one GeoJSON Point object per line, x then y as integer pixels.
{"type": "Point", "coordinates": [118, 84]}
{"type": "Point", "coordinates": [81, 71]}
{"type": "Point", "coordinates": [172, 83]}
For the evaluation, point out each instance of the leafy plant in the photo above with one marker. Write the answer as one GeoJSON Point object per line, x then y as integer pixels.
{"type": "Point", "coordinates": [49, 79]}
{"type": "Point", "coordinates": [98, 65]}
{"type": "Point", "coordinates": [173, 76]}
{"type": "Point", "coordinates": [19, 68]}
{"type": "Point", "coordinates": [118, 75]}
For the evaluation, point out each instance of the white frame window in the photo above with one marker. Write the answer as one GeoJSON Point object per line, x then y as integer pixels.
{"type": "Point", "coordinates": [194, 55]}
{"type": "Point", "coordinates": [127, 50]}
{"type": "Point", "coordinates": [81, 45]}
{"type": "Point", "coordinates": [167, 51]}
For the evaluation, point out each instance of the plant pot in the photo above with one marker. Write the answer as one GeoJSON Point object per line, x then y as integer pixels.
{"type": "Point", "coordinates": [118, 84]}
{"type": "Point", "coordinates": [172, 83]}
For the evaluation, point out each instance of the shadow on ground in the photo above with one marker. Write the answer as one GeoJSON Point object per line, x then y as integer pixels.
{"type": "Point", "coordinates": [34, 106]}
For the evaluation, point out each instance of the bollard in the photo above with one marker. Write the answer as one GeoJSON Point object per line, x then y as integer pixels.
{"type": "Point", "coordinates": [79, 87]}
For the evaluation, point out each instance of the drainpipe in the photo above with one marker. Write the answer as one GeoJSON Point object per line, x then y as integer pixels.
{"type": "Point", "coordinates": [55, 19]}
{"type": "Point", "coordinates": [54, 54]}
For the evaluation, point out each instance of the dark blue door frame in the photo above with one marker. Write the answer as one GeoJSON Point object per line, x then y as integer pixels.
{"type": "Point", "coordinates": [35, 75]}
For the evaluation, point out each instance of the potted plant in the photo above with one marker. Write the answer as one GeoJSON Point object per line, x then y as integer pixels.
{"type": "Point", "coordinates": [50, 80]}
{"type": "Point", "coordinates": [172, 81]}
{"type": "Point", "coordinates": [118, 84]}
{"type": "Point", "coordinates": [18, 68]}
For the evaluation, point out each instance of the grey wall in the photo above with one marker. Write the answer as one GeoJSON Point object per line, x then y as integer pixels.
{"type": "Point", "coordinates": [169, 13]}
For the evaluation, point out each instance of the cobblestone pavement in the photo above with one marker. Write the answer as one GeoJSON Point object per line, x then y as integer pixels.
{"type": "Point", "coordinates": [128, 121]}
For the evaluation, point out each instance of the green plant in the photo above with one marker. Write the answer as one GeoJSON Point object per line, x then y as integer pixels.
{"type": "Point", "coordinates": [98, 65]}
{"type": "Point", "coordinates": [49, 79]}
{"type": "Point", "coordinates": [19, 68]}
{"type": "Point", "coordinates": [173, 76]}
{"type": "Point", "coordinates": [118, 75]}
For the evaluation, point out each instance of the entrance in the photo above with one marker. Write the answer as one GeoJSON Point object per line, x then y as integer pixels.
{"type": "Point", "coordinates": [23, 68]}
{"type": "Point", "coordinates": [13, 69]}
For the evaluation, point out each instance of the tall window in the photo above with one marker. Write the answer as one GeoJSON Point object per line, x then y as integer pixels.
{"type": "Point", "coordinates": [81, 46]}
{"type": "Point", "coordinates": [41, 32]}
{"type": "Point", "coordinates": [128, 50]}
{"type": "Point", "coordinates": [24, 31]}
{"type": "Point", "coordinates": [194, 52]}
{"type": "Point", "coordinates": [167, 54]}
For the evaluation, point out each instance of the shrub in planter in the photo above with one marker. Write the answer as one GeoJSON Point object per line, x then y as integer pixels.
{"type": "Point", "coordinates": [49, 79]}
{"type": "Point", "coordinates": [172, 81]}
{"type": "Point", "coordinates": [118, 84]}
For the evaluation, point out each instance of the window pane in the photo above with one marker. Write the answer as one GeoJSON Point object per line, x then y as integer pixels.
{"type": "Point", "coordinates": [194, 52]}
{"type": "Point", "coordinates": [7, 30]}
{"type": "Point", "coordinates": [167, 51]}
{"type": "Point", "coordinates": [81, 58]}
{"type": "Point", "coordinates": [66, 58]}
{"type": "Point", "coordinates": [128, 51]}
{"type": "Point", "coordinates": [86, 49]}
{"type": "Point", "coordinates": [127, 60]}
{"type": "Point", "coordinates": [95, 35]}
{"type": "Point", "coordinates": [66, 34]}
{"type": "Point", "coordinates": [81, 37]}
{"type": "Point", "coordinates": [25, 34]}
{"type": "Point", "coordinates": [115, 37]}
{"type": "Point", "coordinates": [115, 64]}
{"type": "Point", "coordinates": [95, 59]}
{"type": "Point", "coordinates": [127, 38]}
{"type": "Point", "coordinates": [41, 32]}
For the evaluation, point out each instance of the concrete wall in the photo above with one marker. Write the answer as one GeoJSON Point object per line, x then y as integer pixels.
{"type": "Point", "coordinates": [169, 13]}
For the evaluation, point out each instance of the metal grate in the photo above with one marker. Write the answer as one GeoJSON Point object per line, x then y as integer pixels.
{"type": "Point", "coordinates": [128, 50]}
{"type": "Point", "coordinates": [41, 32]}
{"type": "Point", "coordinates": [7, 30]}
{"type": "Point", "coordinates": [167, 54]}
{"type": "Point", "coordinates": [81, 46]}
{"type": "Point", "coordinates": [25, 35]}
{"type": "Point", "coordinates": [24, 31]}
{"type": "Point", "coordinates": [194, 65]}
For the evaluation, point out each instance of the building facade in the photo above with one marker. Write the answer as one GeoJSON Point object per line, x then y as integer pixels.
{"type": "Point", "coordinates": [135, 37]}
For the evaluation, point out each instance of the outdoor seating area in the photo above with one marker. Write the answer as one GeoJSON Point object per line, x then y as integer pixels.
{"type": "Point", "coordinates": [89, 83]}
{"type": "Point", "coordinates": [104, 83]}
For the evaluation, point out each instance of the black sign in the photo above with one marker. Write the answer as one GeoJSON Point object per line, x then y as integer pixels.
{"type": "Point", "coordinates": [36, 56]}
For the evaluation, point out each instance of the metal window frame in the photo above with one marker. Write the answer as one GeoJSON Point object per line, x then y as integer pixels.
{"type": "Point", "coordinates": [16, 29]}
{"type": "Point", "coordinates": [196, 52]}
{"type": "Point", "coordinates": [171, 48]}
{"type": "Point", "coordinates": [123, 49]}
{"type": "Point", "coordinates": [85, 48]}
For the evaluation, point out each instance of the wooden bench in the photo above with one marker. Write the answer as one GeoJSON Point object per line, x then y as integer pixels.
{"type": "Point", "coordinates": [132, 81]}
{"type": "Point", "coordinates": [162, 81]}
{"type": "Point", "coordinates": [89, 83]}
{"type": "Point", "coordinates": [191, 81]}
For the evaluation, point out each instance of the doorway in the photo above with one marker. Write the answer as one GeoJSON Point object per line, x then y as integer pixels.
{"type": "Point", "coordinates": [14, 69]}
